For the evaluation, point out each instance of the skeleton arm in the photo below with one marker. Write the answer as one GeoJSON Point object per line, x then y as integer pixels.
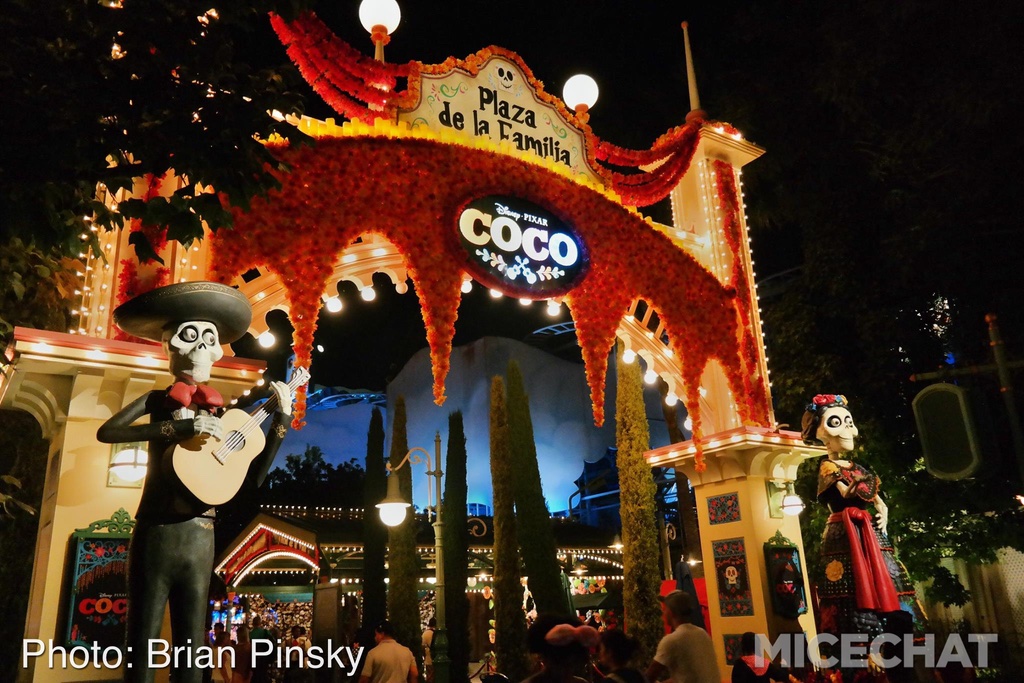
{"type": "Point", "coordinates": [278, 430]}
{"type": "Point", "coordinates": [882, 513]}
{"type": "Point", "coordinates": [120, 427]}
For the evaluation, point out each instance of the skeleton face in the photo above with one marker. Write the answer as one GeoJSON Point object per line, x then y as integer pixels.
{"type": "Point", "coordinates": [505, 77]}
{"type": "Point", "coordinates": [732, 575]}
{"type": "Point", "coordinates": [192, 349]}
{"type": "Point", "coordinates": [837, 430]}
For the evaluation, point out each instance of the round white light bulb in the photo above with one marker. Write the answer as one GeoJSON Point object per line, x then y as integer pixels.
{"type": "Point", "coordinates": [628, 356]}
{"type": "Point", "coordinates": [650, 377]}
{"type": "Point", "coordinates": [392, 514]}
{"type": "Point", "coordinates": [384, 13]}
{"type": "Point", "coordinates": [580, 89]}
{"type": "Point", "coordinates": [495, 294]}
{"type": "Point", "coordinates": [688, 424]}
{"type": "Point", "coordinates": [130, 464]}
{"type": "Point", "coordinates": [333, 304]}
{"type": "Point", "coordinates": [554, 308]}
{"type": "Point", "coordinates": [368, 294]}
{"type": "Point", "coordinates": [525, 302]}
{"type": "Point", "coordinates": [267, 339]}
{"type": "Point", "coordinates": [792, 504]}
{"type": "Point", "coordinates": [671, 399]}
{"type": "Point", "coordinates": [467, 286]}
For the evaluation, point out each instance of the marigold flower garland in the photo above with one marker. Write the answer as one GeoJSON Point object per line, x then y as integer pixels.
{"type": "Point", "coordinates": [405, 188]}
{"type": "Point", "coordinates": [755, 385]}
{"type": "Point", "coordinates": [418, 192]}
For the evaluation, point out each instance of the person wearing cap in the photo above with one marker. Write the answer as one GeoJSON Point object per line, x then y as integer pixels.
{"type": "Point", "coordinates": [686, 655]}
{"type": "Point", "coordinates": [388, 662]}
{"type": "Point", "coordinates": [172, 550]}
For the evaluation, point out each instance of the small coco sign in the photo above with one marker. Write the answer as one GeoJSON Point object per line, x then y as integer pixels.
{"type": "Point", "coordinates": [517, 247]}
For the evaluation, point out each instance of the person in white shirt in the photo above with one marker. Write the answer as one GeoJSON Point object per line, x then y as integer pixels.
{"type": "Point", "coordinates": [686, 655]}
{"type": "Point", "coordinates": [389, 662]}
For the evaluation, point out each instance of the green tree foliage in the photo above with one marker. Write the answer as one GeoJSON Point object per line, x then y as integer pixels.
{"type": "Point", "coordinates": [306, 479]}
{"type": "Point", "coordinates": [375, 534]}
{"type": "Point", "coordinates": [905, 236]}
{"type": "Point", "coordinates": [456, 550]}
{"type": "Point", "coordinates": [186, 88]}
{"type": "Point", "coordinates": [403, 562]}
{"type": "Point", "coordinates": [310, 480]}
{"type": "Point", "coordinates": [540, 554]}
{"type": "Point", "coordinates": [509, 618]}
{"type": "Point", "coordinates": [640, 554]}
{"type": "Point", "coordinates": [22, 455]}
{"type": "Point", "coordinates": [36, 288]}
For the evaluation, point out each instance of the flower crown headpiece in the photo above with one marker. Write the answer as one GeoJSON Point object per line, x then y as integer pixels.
{"type": "Point", "coordinates": [823, 401]}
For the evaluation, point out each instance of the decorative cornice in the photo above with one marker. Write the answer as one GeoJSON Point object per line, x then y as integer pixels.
{"type": "Point", "coordinates": [119, 523]}
{"type": "Point", "coordinates": [739, 453]}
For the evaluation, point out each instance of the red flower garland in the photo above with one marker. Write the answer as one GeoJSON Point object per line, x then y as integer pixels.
{"type": "Point", "coordinates": [346, 79]}
{"type": "Point", "coordinates": [644, 189]}
{"type": "Point", "coordinates": [755, 385]}
{"type": "Point", "coordinates": [417, 185]}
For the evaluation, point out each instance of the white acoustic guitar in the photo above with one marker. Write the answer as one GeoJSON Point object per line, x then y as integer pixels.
{"type": "Point", "coordinates": [213, 470]}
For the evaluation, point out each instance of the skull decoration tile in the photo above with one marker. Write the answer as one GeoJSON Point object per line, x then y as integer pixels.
{"type": "Point", "coordinates": [734, 597]}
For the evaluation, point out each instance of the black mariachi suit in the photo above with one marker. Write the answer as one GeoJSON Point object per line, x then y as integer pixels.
{"type": "Point", "coordinates": [172, 553]}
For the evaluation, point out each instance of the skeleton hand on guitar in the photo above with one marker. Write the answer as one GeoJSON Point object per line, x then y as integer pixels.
{"type": "Point", "coordinates": [211, 426]}
{"type": "Point", "coordinates": [284, 397]}
{"type": "Point", "coordinates": [208, 425]}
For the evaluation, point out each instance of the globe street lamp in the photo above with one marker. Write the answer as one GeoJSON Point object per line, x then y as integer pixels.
{"type": "Point", "coordinates": [580, 94]}
{"type": "Point", "coordinates": [392, 512]}
{"type": "Point", "coordinates": [380, 18]}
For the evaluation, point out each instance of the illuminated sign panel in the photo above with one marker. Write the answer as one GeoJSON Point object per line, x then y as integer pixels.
{"type": "Point", "coordinates": [519, 248]}
{"type": "Point", "coordinates": [498, 103]}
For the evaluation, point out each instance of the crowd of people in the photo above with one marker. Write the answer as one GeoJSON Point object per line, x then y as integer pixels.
{"type": "Point", "coordinates": [565, 650]}
{"type": "Point", "coordinates": [569, 651]}
{"type": "Point", "coordinates": [242, 667]}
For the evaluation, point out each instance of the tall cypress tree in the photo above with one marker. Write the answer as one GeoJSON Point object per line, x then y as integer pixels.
{"type": "Point", "coordinates": [375, 534]}
{"type": "Point", "coordinates": [640, 555]}
{"type": "Point", "coordinates": [403, 563]}
{"type": "Point", "coordinates": [509, 619]}
{"type": "Point", "coordinates": [538, 549]}
{"type": "Point", "coordinates": [456, 551]}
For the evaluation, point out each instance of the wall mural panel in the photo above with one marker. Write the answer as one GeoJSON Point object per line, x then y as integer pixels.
{"type": "Point", "coordinates": [734, 596]}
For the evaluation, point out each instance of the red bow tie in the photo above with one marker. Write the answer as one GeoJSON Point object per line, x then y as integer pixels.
{"type": "Point", "coordinates": [186, 394]}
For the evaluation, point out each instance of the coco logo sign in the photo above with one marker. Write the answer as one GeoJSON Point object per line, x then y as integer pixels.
{"type": "Point", "coordinates": [519, 248]}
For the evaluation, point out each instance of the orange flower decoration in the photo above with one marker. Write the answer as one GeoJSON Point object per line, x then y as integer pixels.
{"type": "Point", "coordinates": [407, 190]}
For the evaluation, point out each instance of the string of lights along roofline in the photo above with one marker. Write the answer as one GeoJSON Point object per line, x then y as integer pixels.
{"type": "Point", "coordinates": [335, 304]}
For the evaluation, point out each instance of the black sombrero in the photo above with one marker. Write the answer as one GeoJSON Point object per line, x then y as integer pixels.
{"type": "Point", "coordinates": [149, 314]}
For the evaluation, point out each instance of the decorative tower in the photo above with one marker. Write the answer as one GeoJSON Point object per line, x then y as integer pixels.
{"type": "Point", "coordinates": [751, 549]}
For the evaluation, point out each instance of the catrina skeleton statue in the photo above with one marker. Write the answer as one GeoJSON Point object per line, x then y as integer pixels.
{"type": "Point", "coordinates": [866, 590]}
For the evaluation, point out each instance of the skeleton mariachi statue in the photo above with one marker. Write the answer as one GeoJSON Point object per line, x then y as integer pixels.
{"type": "Point", "coordinates": [172, 548]}
{"type": "Point", "coordinates": [865, 589]}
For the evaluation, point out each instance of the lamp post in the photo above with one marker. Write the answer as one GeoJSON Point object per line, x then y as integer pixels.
{"type": "Point", "coordinates": [392, 512]}
{"type": "Point", "coordinates": [380, 18]}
